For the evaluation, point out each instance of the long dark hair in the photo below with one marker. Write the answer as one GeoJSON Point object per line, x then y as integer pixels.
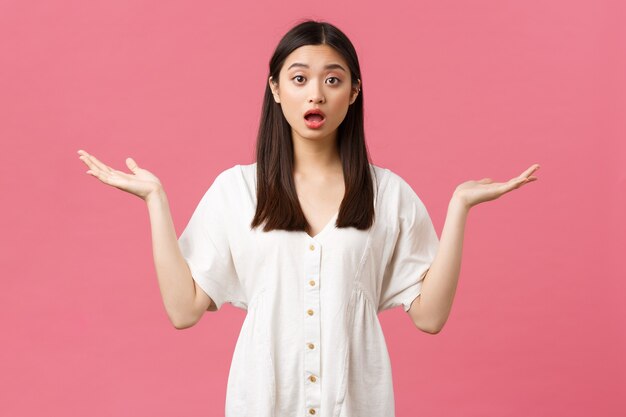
{"type": "Point", "coordinates": [277, 201]}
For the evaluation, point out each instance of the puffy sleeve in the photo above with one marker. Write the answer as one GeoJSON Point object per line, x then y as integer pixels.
{"type": "Point", "coordinates": [415, 245]}
{"type": "Point", "coordinates": [205, 246]}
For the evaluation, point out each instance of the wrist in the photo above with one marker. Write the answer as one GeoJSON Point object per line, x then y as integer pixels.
{"type": "Point", "coordinates": [156, 195]}
{"type": "Point", "coordinates": [459, 203]}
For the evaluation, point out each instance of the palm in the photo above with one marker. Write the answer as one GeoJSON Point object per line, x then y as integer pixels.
{"type": "Point", "coordinates": [475, 192]}
{"type": "Point", "coordinates": [140, 183]}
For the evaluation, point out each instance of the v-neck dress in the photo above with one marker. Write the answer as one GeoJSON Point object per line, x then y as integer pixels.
{"type": "Point", "coordinates": [311, 343]}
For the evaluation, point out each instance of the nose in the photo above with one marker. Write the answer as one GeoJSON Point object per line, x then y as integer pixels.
{"type": "Point", "coordinates": [316, 94]}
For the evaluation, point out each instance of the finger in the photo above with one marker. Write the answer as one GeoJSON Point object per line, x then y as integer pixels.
{"type": "Point", "coordinates": [89, 163]}
{"type": "Point", "coordinates": [530, 170]}
{"type": "Point", "coordinates": [486, 181]}
{"type": "Point", "coordinates": [104, 175]}
{"type": "Point", "coordinates": [107, 177]}
{"type": "Point", "coordinates": [99, 164]}
{"type": "Point", "coordinates": [521, 177]}
{"type": "Point", "coordinates": [523, 181]}
{"type": "Point", "coordinates": [512, 184]}
{"type": "Point", "coordinates": [93, 167]}
{"type": "Point", "coordinates": [529, 179]}
{"type": "Point", "coordinates": [131, 164]}
{"type": "Point", "coordinates": [98, 173]}
{"type": "Point", "coordinates": [517, 180]}
{"type": "Point", "coordinates": [83, 156]}
{"type": "Point", "coordinates": [121, 174]}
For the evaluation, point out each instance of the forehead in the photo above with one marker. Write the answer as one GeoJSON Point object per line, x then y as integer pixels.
{"type": "Point", "coordinates": [315, 56]}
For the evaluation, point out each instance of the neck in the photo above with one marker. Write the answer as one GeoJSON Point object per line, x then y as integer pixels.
{"type": "Point", "coordinates": [317, 156]}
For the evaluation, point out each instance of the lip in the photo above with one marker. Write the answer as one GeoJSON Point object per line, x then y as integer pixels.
{"type": "Point", "coordinates": [315, 111]}
{"type": "Point", "coordinates": [312, 124]}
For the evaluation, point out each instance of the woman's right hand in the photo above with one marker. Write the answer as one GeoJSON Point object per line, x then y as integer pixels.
{"type": "Point", "coordinates": [141, 182]}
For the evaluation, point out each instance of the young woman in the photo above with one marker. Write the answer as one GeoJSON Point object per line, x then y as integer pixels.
{"type": "Point", "coordinates": [312, 240]}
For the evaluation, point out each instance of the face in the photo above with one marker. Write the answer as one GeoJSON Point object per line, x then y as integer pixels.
{"type": "Point", "coordinates": [314, 76]}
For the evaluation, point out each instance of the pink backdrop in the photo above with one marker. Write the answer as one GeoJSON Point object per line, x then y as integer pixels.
{"type": "Point", "coordinates": [453, 91]}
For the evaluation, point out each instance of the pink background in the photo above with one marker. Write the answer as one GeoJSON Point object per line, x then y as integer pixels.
{"type": "Point", "coordinates": [453, 91]}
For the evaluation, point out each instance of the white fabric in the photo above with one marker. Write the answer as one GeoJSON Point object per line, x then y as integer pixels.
{"type": "Point", "coordinates": [343, 276]}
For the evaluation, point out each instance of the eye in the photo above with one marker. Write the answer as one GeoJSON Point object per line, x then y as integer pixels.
{"type": "Point", "coordinates": [298, 77]}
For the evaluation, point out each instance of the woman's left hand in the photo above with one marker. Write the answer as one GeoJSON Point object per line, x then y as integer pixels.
{"type": "Point", "coordinates": [471, 193]}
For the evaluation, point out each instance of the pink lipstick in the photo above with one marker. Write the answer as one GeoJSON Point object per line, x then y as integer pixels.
{"type": "Point", "coordinates": [314, 118]}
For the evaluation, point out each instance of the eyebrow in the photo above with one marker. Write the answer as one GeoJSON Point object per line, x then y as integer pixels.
{"type": "Point", "coordinates": [329, 66]}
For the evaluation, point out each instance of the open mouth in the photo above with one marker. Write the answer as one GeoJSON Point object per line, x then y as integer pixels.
{"type": "Point", "coordinates": [314, 118]}
{"type": "Point", "coordinates": [314, 121]}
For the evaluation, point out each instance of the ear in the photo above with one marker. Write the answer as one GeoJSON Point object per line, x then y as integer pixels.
{"type": "Point", "coordinates": [274, 88]}
{"type": "Point", "coordinates": [355, 92]}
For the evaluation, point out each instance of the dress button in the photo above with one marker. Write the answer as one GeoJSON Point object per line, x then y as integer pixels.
{"type": "Point", "coordinates": [312, 378]}
{"type": "Point", "coordinates": [311, 345]}
{"type": "Point", "coordinates": [312, 283]}
{"type": "Point", "coordinates": [310, 312]}
{"type": "Point", "coordinates": [312, 247]}
{"type": "Point", "coordinates": [311, 411]}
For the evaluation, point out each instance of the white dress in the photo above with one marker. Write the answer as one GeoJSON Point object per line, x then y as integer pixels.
{"type": "Point", "coordinates": [311, 343]}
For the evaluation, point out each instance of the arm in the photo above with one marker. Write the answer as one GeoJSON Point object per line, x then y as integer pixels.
{"type": "Point", "coordinates": [431, 308]}
{"type": "Point", "coordinates": [184, 301]}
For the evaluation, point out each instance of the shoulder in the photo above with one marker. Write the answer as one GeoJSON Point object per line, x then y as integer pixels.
{"type": "Point", "coordinates": [378, 172]}
{"type": "Point", "coordinates": [227, 174]}
{"type": "Point", "coordinates": [399, 197]}
{"type": "Point", "coordinates": [387, 176]}
{"type": "Point", "coordinates": [224, 186]}
{"type": "Point", "coordinates": [392, 184]}
{"type": "Point", "coordinates": [401, 186]}
{"type": "Point", "coordinates": [246, 172]}
{"type": "Point", "coordinates": [395, 180]}
{"type": "Point", "coordinates": [235, 186]}
{"type": "Point", "coordinates": [234, 175]}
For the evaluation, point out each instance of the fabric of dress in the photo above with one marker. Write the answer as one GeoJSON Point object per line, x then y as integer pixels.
{"type": "Point", "coordinates": [311, 343]}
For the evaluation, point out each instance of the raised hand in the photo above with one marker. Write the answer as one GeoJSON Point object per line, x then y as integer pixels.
{"type": "Point", "coordinates": [141, 182]}
{"type": "Point", "coordinates": [471, 193]}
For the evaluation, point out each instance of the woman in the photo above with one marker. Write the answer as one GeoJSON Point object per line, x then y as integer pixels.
{"type": "Point", "coordinates": [312, 240]}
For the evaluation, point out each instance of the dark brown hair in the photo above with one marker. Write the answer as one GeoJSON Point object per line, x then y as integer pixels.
{"type": "Point", "coordinates": [277, 201]}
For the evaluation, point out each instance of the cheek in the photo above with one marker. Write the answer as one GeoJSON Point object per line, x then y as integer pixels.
{"type": "Point", "coordinates": [340, 105]}
{"type": "Point", "coordinates": [342, 98]}
{"type": "Point", "coordinates": [290, 101]}
{"type": "Point", "coordinates": [291, 111]}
